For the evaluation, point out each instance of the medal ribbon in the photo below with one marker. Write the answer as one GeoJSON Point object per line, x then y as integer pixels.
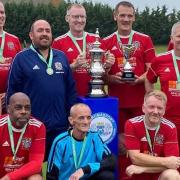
{"type": "Point", "coordinates": [130, 37]}
{"type": "Point", "coordinates": [149, 138]}
{"type": "Point", "coordinates": [2, 46]}
{"type": "Point", "coordinates": [49, 64]}
{"type": "Point", "coordinates": [76, 44]}
{"type": "Point", "coordinates": [14, 151]}
{"type": "Point", "coordinates": [77, 164]}
{"type": "Point", "coordinates": [176, 66]}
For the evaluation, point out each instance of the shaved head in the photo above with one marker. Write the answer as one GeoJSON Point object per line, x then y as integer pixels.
{"type": "Point", "coordinates": [18, 96]}
{"type": "Point", "coordinates": [74, 109]}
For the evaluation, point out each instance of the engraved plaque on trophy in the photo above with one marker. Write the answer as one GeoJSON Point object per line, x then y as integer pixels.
{"type": "Point", "coordinates": [96, 70]}
{"type": "Point", "coordinates": [128, 51]}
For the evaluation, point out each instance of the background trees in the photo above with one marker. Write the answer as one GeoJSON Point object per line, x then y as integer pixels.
{"type": "Point", "coordinates": [155, 22]}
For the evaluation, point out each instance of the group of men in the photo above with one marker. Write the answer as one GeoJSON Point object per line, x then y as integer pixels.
{"type": "Point", "coordinates": [45, 82]}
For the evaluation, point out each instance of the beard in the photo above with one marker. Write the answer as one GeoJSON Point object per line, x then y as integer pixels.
{"type": "Point", "coordinates": [41, 45]}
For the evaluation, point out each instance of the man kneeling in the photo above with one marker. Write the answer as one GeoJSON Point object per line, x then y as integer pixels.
{"type": "Point", "coordinates": [22, 141]}
{"type": "Point", "coordinates": [151, 141]}
{"type": "Point", "coordinates": [80, 153]}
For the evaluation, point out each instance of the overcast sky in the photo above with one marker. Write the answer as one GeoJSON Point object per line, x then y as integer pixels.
{"type": "Point", "coordinates": [141, 4]}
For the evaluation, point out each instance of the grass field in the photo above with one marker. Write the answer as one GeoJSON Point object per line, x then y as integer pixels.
{"type": "Point", "coordinates": [160, 48]}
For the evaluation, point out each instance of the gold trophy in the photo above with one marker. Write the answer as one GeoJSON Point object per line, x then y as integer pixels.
{"type": "Point", "coordinates": [128, 51]}
{"type": "Point", "coordinates": [96, 70]}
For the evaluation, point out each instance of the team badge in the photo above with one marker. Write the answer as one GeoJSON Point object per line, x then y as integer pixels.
{"type": "Point", "coordinates": [26, 143]}
{"type": "Point", "coordinates": [136, 44]}
{"type": "Point", "coordinates": [105, 125]}
{"type": "Point", "coordinates": [159, 139]}
{"type": "Point", "coordinates": [58, 66]}
{"type": "Point", "coordinates": [10, 45]}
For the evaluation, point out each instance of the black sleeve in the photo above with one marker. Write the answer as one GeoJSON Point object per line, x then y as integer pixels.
{"type": "Point", "coordinates": [53, 174]}
{"type": "Point", "coordinates": [108, 162]}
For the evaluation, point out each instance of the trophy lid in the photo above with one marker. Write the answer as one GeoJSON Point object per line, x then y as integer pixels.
{"type": "Point", "coordinates": [96, 44]}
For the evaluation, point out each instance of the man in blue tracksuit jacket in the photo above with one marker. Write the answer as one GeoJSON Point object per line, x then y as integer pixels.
{"type": "Point", "coordinates": [45, 76]}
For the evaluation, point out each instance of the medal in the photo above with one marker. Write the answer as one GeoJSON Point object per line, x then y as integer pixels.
{"type": "Point", "coordinates": [49, 71]}
{"type": "Point", "coordinates": [2, 60]}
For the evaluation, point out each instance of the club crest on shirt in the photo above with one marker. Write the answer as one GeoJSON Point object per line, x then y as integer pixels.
{"type": "Point", "coordinates": [10, 45]}
{"type": "Point", "coordinates": [136, 44]}
{"type": "Point", "coordinates": [58, 66]}
{"type": "Point", "coordinates": [26, 143]}
{"type": "Point", "coordinates": [159, 139]}
{"type": "Point", "coordinates": [89, 46]}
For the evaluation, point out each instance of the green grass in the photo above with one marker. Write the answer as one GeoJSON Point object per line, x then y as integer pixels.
{"type": "Point", "coordinates": [44, 170]}
{"type": "Point", "coordinates": [159, 49]}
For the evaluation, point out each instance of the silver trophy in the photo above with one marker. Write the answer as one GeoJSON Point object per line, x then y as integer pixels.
{"type": "Point", "coordinates": [128, 51]}
{"type": "Point", "coordinates": [96, 70]}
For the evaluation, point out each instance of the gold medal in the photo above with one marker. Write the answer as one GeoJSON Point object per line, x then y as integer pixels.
{"type": "Point", "coordinates": [49, 71]}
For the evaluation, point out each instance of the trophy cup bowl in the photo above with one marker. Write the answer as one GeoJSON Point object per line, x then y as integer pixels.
{"type": "Point", "coordinates": [128, 51]}
{"type": "Point", "coordinates": [96, 70]}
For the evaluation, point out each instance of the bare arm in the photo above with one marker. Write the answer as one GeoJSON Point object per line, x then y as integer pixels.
{"type": "Point", "coordinates": [148, 86]}
{"type": "Point", "coordinates": [141, 159]}
{"type": "Point", "coordinates": [133, 169]}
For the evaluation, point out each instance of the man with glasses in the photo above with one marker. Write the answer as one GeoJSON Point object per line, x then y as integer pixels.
{"type": "Point", "coordinates": [76, 44]}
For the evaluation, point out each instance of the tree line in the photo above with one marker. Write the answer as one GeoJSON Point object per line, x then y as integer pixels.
{"type": "Point", "coordinates": [155, 22]}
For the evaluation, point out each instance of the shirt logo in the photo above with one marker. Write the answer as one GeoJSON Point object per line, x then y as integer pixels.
{"type": "Point", "coordinates": [58, 66]}
{"type": "Point", "coordinates": [5, 144]}
{"type": "Point", "coordinates": [36, 67]}
{"type": "Point", "coordinates": [143, 139]}
{"type": "Point", "coordinates": [70, 50]}
{"type": "Point", "coordinates": [10, 45]}
{"type": "Point", "coordinates": [26, 143]}
{"type": "Point", "coordinates": [167, 70]}
{"type": "Point", "coordinates": [159, 139]}
{"type": "Point", "coordinates": [114, 48]}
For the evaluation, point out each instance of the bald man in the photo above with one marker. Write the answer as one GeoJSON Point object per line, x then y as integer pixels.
{"type": "Point", "coordinates": [45, 76]}
{"type": "Point", "coordinates": [80, 153]}
{"type": "Point", "coordinates": [22, 141]}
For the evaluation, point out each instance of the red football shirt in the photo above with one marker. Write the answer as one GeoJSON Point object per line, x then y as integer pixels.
{"type": "Point", "coordinates": [165, 143]}
{"type": "Point", "coordinates": [11, 47]}
{"type": "Point", "coordinates": [130, 96]}
{"type": "Point", "coordinates": [30, 155]}
{"type": "Point", "coordinates": [163, 68]}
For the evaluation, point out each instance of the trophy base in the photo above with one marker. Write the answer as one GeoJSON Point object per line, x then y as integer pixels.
{"type": "Point", "coordinates": [96, 90]}
{"type": "Point", "coordinates": [128, 76]}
